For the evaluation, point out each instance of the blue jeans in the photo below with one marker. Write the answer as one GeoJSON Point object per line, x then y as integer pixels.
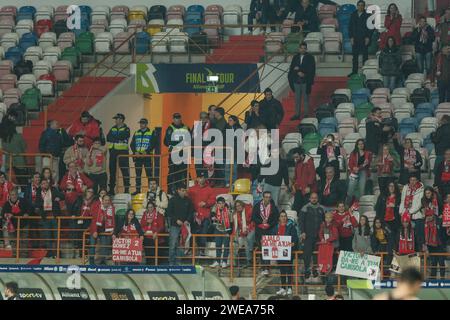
{"type": "Point", "coordinates": [248, 242]}
{"type": "Point", "coordinates": [390, 82]}
{"type": "Point", "coordinates": [444, 91]}
{"type": "Point", "coordinates": [274, 190]}
{"type": "Point", "coordinates": [300, 91]}
{"type": "Point", "coordinates": [222, 241]}
{"type": "Point", "coordinates": [228, 173]}
{"type": "Point", "coordinates": [49, 233]}
{"type": "Point", "coordinates": [174, 238]}
{"type": "Point", "coordinates": [353, 183]}
{"type": "Point", "coordinates": [91, 251]}
{"type": "Point", "coordinates": [424, 62]}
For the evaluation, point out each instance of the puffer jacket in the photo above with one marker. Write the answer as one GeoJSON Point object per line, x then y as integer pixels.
{"type": "Point", "coordinates": [390, 61]}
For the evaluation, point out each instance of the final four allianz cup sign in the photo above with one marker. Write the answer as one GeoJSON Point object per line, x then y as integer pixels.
{"type": "Point", "coordinates": [127, 250]}
{"type": "Point", "coordinates": [354, 264]}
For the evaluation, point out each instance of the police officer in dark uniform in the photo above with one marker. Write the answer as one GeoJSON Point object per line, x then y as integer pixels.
{"type": "Point", "coordinates": [177, 172]}
{"type": "Point", "coordinates": [118, 138]}
{"type": "Point", "coordinates": [143, 143]}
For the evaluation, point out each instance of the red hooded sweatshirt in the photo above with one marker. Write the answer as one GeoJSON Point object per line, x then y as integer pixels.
{"type": "Point", "coordinates": [345, 223]}
{"type": "Point", "coordinates": [305, 175]}
{"type": "Point", "coordinates": [206, 194]}
{"type": "Point", "coordinates": [91, 130]}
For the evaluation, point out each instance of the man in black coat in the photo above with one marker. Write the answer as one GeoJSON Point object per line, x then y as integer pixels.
{"type": "Point", "coordinates": [309, 220]}
{"type": "Point", "coordinates": [359, 35]}
{"type": "Point", "coordinates": [306, 16]}
{"type": "Point", "coordinates": [301, 78]}
{"type": "Point", "coordinates": [180, 211]}
{"type": "Point", "coordinates": [271, 110]}
{"type": "Point", "coordinates": [374, 131]}
{"type": "Point", "coordinates": [265, 215]}
{"type": "Point", "coordinates": [48, 207]}
{"type": "Point", "coordinates": [330, 190]}
{"type": "Point", "coordinates": [442, 175]}
{"type": "Point", "coordinates": [441, 139]}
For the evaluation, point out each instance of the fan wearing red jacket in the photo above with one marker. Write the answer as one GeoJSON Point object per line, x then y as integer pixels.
{"type": "Point", "coordinates": [75, 178]}
{"type": "Point", "coordinates": [87, 126]}
{"type": "Point", "coordinates": [5, 188]}
{"type": "Point", "coordinates": [243, 230]}
{"type": "Point", "coordinates": [101, 230]}
{"type": "Point", "coordinates": [392, 23]}
{"type": "Point", "coordinates": [203, 197]}
{"type": "Point", "coordinates": [305, 178]}
{"type": "Point", "coordinates": [345, 222]}
{"type": "Point", "coordinates": [152, 223]}
{"type": "Point", "coordinates": [359, 168]}
{"type": "Point", "coordinates": [328, 241]}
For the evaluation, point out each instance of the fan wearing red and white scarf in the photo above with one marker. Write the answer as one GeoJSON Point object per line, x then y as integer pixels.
{"type": "Point", "coordinates": [105, 219]}
{"type": "Point", "coordinates": [149, 220]}
{"type": "Point", "coordinates": [76, 181]}
{"type": "Point", "coordinates": [15, 211]}
{"type": "Point", "coordinates": [223, 217]}
{"type": "Point", "coordinates": [327, 189]}
{"type": "Point", "coordinates": [78, 156]}
{"type": "Point", "coordinates": [242, 221]}
{"type": "Point", "coordinates": [410, 194]}
{"type": "Point", "coordinates": [431, 232]}
{"type": "Point", "coordinates": [265, 212]}
{"type": "Point", "coordinates": [5, 188]}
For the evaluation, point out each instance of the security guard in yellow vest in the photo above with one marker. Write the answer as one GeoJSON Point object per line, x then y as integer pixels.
{"type": "Point", "coordinates": [143, 143]}
{"type": "Point", "coordinates": [117, 139]}
{"type": "Point", "coordinates": [177, 172]}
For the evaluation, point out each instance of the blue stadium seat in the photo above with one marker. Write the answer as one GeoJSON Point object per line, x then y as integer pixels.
{"type": "Point", "coordinates": [142, 42]}
{"type": "Point", "coordinates": [422, 113]}
{"type": "Point", "coordinates": [157, 12]}
{"type": "Point", "coordinates": [347, 46]}
{"type": "Point", "coordinates": [192, 30]}
{"type": "Point", "coordinates": [346, 9]}
{"type": "Point", "coordinates": [327, 125]}
{"type": "Point", "coordinates": [14, 54]}
{"type": "Point", "coordinates": [360, 96]}
{"type": "Point", "coordinates": [26, 12]}
{"type": "Point", "coordinates": [425, 106]}
{"type": "Point", "coordinates": [27, 40]}
{"type": "Point", "coordinates": [408, 125]}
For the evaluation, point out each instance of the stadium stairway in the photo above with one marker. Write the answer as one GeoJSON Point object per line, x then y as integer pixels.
{"type": "Point", "coordinates": [82, 96]}
{"type": "Point", "coordinates": [239, 49]}
{"type": "Point", "coordinates": [321, 92]}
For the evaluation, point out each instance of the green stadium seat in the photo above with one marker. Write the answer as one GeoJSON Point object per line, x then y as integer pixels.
{"type": "Point", "coordinates": [32, 99]}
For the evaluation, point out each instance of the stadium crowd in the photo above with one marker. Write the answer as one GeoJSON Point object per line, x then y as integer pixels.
{"type": "Point", "coordinates": [410, 216]}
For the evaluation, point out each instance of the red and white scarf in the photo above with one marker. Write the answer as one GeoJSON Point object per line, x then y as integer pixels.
{"type": "Point", "coordinates": [389, 215]}
{"type": "Point", "coordinates": [265, 212]}
{"type": "Point", "coordinates": [47, 199]}
{"type": "Point", "coordinates": [4, 192]}
{"type": "Point", "coordinates": [76, 181]}
{"type": "Point", "coordinates": [223, 217]}
{"type": "Point", "coordinates": [431, 233]}
{"type": "Point", "coordinates": [409, 157]}
{"type": "Point", "coordinates": [105, 218]}
{"type": "Point", "coordinates": [445, 176]}
{"type": "Point", "coordinates": [410, 195]}
{"type": "Point", "coordinates": [78, 156]}
{"type": "Point", "coordinates": [327, 189]}
{"type": "Point", "coordinates": [406, 242]}
{"type": "Point", "coordinates": [386, 164]}
{"type": "Point", "coordinates": [431, 208]}
{"type": "Point", "coordinates": [86, 208]}
{"type": "Point", "coordinates": [240, 220]}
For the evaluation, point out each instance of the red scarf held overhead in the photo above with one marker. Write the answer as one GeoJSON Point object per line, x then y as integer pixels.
{"type": "Point", "coordinates": [431, 238]}
{"type": "Point", "coordinates": [223, 217]}
{"type": "Point", "coordinates": [389, 215]}
{"type": "Point", "coordinates": [265, 214]}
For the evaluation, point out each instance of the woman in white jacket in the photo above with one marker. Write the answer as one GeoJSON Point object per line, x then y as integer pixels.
{"type": "Point", "coordinates": [411, 203]}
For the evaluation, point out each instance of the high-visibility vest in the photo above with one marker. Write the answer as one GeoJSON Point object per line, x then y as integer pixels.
{"type": "Point", "coordinates": [122, 144]}
{"type": "Point", "coordinates": [143, 140]}
{"type": "Point", "coordinates": [178, 131]}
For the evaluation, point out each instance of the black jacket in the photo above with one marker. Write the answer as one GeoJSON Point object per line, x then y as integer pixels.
{"type": "Point", "coordinates": [24, 209]}
{"type": "Point", "coordinates": [374, 135]}
{"type": "Point", "coordinates": [390, 61]}
{"type": "Point", "coordinates": [322, 151]}
{"type": "Point", "coordinates": [56, 208]}
{"type": "Point", "coordinates": [276, 179]}
{"type": "Point", "coordinates": [401, 152]}
{"type": "Point", "coordinates": [441, 139]}
{"type": "Point", "coordinates": [390, 237]}
{"type": "Point", "coordinates": [443, 187]}
{"type": "Point", "coordinates": [308, 67]}
{"type": "Point", "coordinates": [27, 195]}
{"type": "Point", "coordinates": [309, 15]}
{"type": "Point", "coordinates": [54, 142]}
{"type": "Point", "coordinates": [180, 209]}
{"type": "Point", "coordinates": [358, 28]}
{"type": "Point", "coordinates": [273, 218]}
{"type": "Point", "coordinates": [380, 208]}
{"type": "Point", "coordinates": [252, 120]}
{"type": "Point", "coordinates": [336, 193]}
{"type": "Point", "coordinates": [272, 112]}
{"type": "Point", "coordinates": [309, 220]}
{"type": "Point", "coordinates": [426, 46]}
